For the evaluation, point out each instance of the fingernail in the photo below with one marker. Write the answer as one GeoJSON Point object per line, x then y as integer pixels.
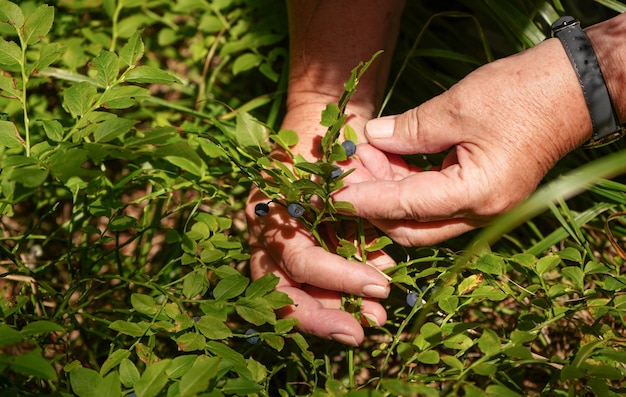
{"type": "Point", "coordinates": [345, 339]}
{"type": "Point", "coordinates": [375, 291]}
{"type": "Point", "coordinates": [371, 319]}
{"type": "Point", "coordinates": [381, 127]}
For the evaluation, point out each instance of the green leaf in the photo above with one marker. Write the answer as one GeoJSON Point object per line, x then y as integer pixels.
{"type": "Point", "coordinates": [180, 366]}
{"type": "Point", "coordinates": [150, 74]}
{"type": "Point", "coordinates": [110, 129]}
{"type": "Point", "coordinates": [9, 136]}
{"type": "Point", "coordinates": [153, 380]}
{"type": "Point", "coordinates": [144, 304]}
{"type": "Point", "coordinates": [79, 98]}
{"type": "Point", "coordinates": [129, 328]}
{"type": "Point", "coordinates": [38, 24]}
{"type": "Point", "coordinates": [575, 274]}
{"type": "Point", "coordinates": [129, 374]}
{"type": "Point", "coordinates": [231, 356]}
{"type": "Point", "coordinates": [85, 382]}
{"type": "Point", "coordinates": [521, 337]}
{"type": "Point", "coordinates": [490, 264]}
{"type": "Point", "coordinates": [378, 244]}
{"type": "Point", "coordinates": [195, 283]}
{"type": "Point", "coordinates": [485, 369]}
{"type": "Point", "coordinates": [114, 360]}
{"type": "Point", "coordinates": [213, 327]}
{"type": "Point", "coordinates": [449, 304]}
{"type": "Point", "coordinates": [287, 138]}
{"type": "Point", "coordinates": [330, 115]}
{"type": "Point", "coordinates": [458, 342]}
{"type": "Point", "coordinates": [123, 97]}
{"type": "Point", "coordinates": [29, 176]}
{"type": "Point", "coordinates": [107, 66]}
{"type": "Point", "coordinates": [349, 134]}
{"type": "Point", "coordinates": [230, 287]}
{"type": "Point", "coordinates": [190, 342]}
{"type": "Point", "coordinates": [249, 132]}
{"type": "Point", "coordinates": [547, 263]}
{"type": "Point", "coordinates": [489, 342]}
{"type": "Point", "coordinates": [346, 248]}
{"type": "Point", "coordinates": [122, 223]}
{"type": "Point", "coordinates": [500, 391]}
{"type": "Point", "coordinates": [570, 254]}
{"type": "Point", "coordinates": [453, 362]}
{"type": "Point", "coordinates": [241, 387]}
{"type": "Point", "coordinates": [428, 357]}
{"type": "Point", "coordinates": [8, 86]}
{"type": "Point", "coordinates": [311, 168]}
{"type": "Point", "coordinates": [245, 62]}
{"type": "Point", "coordinates": [9, 336]}
{"type": "Point", "coordinates": [255, 310]}
{"type": "Point", "coordinates": [11, 14]}
{"type": "Point", "coordinates": [10, 54]}
{"type": "Point", "coordinates": [133, 50]}
{"type": "Point", "coordinates": [183, 156]}
{"type": "Point", "coordinates": [41, 327]}
{"type": "Point", "coordinates": [53, 129]}
{"type": "Point", "coordinates": [197, 379]}
{"type": "Point", "coordinates": [110, 386]}
{"type": "Point", "coordinates": [490, 292]}
{"type": "Point", "coordinates": [262, 285]}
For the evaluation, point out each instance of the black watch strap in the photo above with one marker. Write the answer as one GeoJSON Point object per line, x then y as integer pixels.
{"type": "Point", "coordinates": [606, 126]}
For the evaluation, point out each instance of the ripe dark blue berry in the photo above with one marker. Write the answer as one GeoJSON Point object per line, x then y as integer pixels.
{"type": "Point", "coordinates": [295, 209]}
{"type": "Point", "coordinates": [261, 209]}
{"type": "Point", "coordinates": [412, 298]}
{"type": "Point", "coordinates": [337, 171]}
{"type": "Point", "coordinates": [349, 147]}
{"type": "Point", "coordinates": [254, 338]}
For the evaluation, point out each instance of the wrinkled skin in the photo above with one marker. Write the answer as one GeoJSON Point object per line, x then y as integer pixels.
{"type": "Point", "coordinates": [504, 125]}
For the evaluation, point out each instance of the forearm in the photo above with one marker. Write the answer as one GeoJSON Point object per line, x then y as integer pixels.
{"type": "Point", "coordinates": [609, 42]}
{"type": "Point", "coordinates": [327, 40]}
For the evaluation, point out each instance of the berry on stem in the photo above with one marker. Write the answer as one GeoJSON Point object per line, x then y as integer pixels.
{"type": "Point", "coordinates": [349, 147]}
{"type": "Point", "coordinates": [412, 298]}
{"type": "Point", "coordinates": [262, 209]}
{"type": "Point", "coordinates": [296, 210]}
{"type": "Point", "coordinates": [252, 339]}
{"type": "Point", "coordinates": [337, 171]}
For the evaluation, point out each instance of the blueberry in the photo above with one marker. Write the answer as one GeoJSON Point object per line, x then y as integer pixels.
{"type": "Point", "coordinates": [196, 319]}
{"type": "Point", "coordinates": [412, 298]}
{"type": "Point", "coordinates": [337, 171]}
{"type": "Point", "coordinates": [261, 209]}
{"type": "Point", "coordinates": [296, 210]}
{"type": "Point", "coordinates": [349, 147]}
{"type": "Point", "coordinates": [253, 340]}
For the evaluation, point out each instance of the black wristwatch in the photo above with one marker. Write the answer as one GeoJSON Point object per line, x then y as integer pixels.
{"type": "Point", "coordinates": [604, 119]}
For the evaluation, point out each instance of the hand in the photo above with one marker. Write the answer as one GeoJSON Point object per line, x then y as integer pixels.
{"type": "Point", "coordinates": [506, 123]}
{"type": "Point", "coordinates": [312, 277]}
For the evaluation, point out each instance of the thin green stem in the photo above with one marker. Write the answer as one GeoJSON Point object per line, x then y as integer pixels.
{"type": "Point", "coordinates": [23, 99]}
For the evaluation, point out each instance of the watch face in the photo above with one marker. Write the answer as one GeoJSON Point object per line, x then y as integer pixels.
{"type": "Point", "coordinates": [563, 23]}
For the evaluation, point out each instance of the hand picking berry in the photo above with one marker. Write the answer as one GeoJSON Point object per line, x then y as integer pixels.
{"type": "Point", "coordinates": [254, 338]}
{"type": "Point", "coordinates": [349, 147]}
{"type": "Point", "coordinates": [296, 210]}
{"type": "Point", "coordinates": [261, 209]}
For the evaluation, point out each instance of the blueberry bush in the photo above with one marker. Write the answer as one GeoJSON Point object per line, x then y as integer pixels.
{"type": "Point", "coordinates": [130, 134]}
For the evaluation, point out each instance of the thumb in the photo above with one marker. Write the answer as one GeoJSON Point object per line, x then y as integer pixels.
{"type": "Point", "coordinates": [412, 131]}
